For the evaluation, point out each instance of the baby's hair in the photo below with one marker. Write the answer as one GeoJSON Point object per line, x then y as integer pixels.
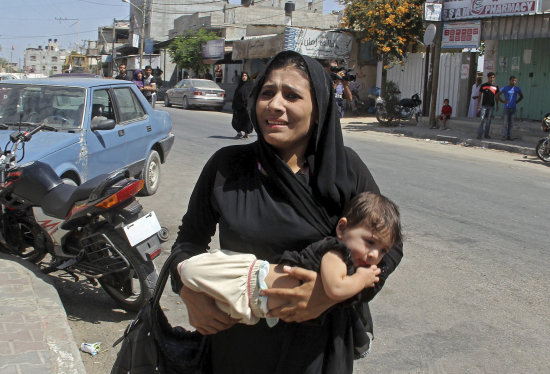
{"type": "Point", "coordinates": [376, 211]}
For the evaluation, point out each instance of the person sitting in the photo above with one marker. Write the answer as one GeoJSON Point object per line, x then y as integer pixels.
{"type": "Point", "coordinates": [446, 111]}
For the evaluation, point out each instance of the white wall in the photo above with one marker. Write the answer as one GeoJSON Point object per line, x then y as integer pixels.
{"type": "Point", "coordinates": [410, 78]}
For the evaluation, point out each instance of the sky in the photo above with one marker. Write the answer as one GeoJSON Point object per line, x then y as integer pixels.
{"type": "Point", "coordinates": [30, 23]}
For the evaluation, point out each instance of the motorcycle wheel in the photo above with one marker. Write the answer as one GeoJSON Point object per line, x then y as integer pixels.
{"type": "Point", "coordinates": [132, 287]}
{"type": "Point", "coordinates": [543, 150]}
{"type": "Point", "coordinates": [23, 240]}
{"type": "Point", "coordinates": [382, 117]}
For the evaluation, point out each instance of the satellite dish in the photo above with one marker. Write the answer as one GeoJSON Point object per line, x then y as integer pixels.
{"type": "Point", "coordinates": [429, 35]}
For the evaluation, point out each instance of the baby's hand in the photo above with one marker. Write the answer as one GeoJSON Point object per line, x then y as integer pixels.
{"type": "Point", "coordinates": [369, 275]}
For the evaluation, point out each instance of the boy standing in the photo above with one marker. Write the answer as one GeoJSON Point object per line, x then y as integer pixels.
{"type": "Point", "coordinates": [487, 103]}
{"type": "Point", "coordinates": [512, 96]}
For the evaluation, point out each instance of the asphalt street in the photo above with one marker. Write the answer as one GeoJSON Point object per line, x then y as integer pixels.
{"type": "Point", "coordinates": [470, 295]}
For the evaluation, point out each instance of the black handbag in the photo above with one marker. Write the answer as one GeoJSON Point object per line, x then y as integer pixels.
{"type": "Point", "coordinates": [151, 345]}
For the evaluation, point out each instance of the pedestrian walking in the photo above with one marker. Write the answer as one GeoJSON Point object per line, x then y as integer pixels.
{"type": "Point", "coordinates": [241, 119]}
{"type": "Point", "coordinates": [473, 112]}
{"type": "Point", "coordinates": [512, 95]}
{"type": "Point", "coordinates": [488, 101]}
{"type": "Point", "coordinates": [281, 193]}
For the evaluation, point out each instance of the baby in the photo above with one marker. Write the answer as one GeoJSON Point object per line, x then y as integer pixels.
{"type": "Point", "coordinates": [347, 264]}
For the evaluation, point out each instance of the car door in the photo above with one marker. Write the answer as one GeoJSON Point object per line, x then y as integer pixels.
{"type": "Point", "coordinates": [176, 93]}
{"type": "Point", "coordinates": [106, 148]}
{"type": "Point", "coordinates": [136, 125]}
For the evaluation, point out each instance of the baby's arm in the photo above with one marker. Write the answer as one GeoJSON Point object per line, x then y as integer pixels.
{"type": "Point", "coordinates": [337, 284]}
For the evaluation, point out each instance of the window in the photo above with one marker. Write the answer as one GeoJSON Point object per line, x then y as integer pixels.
{"type": "Point", "coordinates": [128, 105]}
{"type": "Point", "coordinates": [54, 68]}
{"type": "Point", "coordinates": [33, 58]}
{"type": "Point", "coordinates": [102, 105]}
{"type": "Point", "coordinates": [54, 59]}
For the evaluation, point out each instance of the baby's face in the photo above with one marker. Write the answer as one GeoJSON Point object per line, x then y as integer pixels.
{"type": "Point", "coordinates": [367, 248]}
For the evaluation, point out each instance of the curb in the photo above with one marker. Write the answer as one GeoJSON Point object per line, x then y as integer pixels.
{"type": "Point", "coordinates": [421, 133]}
{"type": "Point", "coordinates": [36, 336]}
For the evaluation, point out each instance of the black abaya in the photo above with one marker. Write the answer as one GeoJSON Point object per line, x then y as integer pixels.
{"type": "Point", "coordinates": [241, 118]}
{"type": "Point", "coordinates": [269, 214]}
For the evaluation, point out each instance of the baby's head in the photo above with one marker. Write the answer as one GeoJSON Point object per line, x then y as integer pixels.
{"type": "Point", "coordinates": [370, 227]}
{"type": "Point", "coordinates": [446, 102]}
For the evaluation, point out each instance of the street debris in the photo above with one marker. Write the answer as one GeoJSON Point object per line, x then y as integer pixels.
{"type": "Point", "coordinates": [91, 348]}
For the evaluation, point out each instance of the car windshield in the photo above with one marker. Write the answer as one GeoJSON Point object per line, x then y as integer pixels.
{"type": "Point", "coordinates": [59, 107]}
{"type": "Point", "coordinates": [205, 84]}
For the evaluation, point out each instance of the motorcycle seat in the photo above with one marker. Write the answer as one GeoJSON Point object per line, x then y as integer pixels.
{"type": "Point", "coordinates": [60, 199]}
{"type": "Point", "coordinates": [409, 103]}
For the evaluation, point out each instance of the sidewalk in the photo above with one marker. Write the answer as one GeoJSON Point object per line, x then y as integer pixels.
{"type": "Point", "coordinates": [525, 134]}
{"type": "Point", "coordinates": [35, 336]}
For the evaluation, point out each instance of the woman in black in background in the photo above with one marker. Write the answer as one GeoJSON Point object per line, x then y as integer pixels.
{"type": "Point", "coordinates": [241, 119]}
{"type": "Point", "coordinates": [282, 192]}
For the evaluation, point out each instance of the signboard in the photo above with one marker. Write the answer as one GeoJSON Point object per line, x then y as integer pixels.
{"type": "Point", "coordinates": [135, 40]}
{"type": "Point", "coordinates": [464, 9]}
{"type": "Point", "coordinates": [318, 43]}
{"type": "Point", "coordinates": [149, 46]}
{"type": "Point", "coordinates": [213, 49]}
{"type": "Point", "coordinates": [257, 48]}
{"type": "Point", "coordinates": [432, 11]}
{"type": "Point", "coordinates": [461, 34]}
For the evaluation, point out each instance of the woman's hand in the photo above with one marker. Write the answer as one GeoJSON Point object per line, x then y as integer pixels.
{"type": "Point", "coordinates": [204, 314]}
{"type": "Point", "coordinates": [304, 302]}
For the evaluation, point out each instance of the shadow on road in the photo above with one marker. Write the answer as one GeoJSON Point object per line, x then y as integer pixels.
{"type": "Point", "coordinates": [88, 303]}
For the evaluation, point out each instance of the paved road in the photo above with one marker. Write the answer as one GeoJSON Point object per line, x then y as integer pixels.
{"type": "Point", "coordinates": [471, 293]}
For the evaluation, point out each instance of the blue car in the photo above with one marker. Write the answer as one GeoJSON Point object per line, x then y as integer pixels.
{"type": "Point", "coordinates": [95, 126]}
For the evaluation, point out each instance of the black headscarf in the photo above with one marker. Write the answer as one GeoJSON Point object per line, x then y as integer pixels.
{"type": "Point", "coordinates": [333, 185]}
{"type": "Point", "coordinates": [242, 92]}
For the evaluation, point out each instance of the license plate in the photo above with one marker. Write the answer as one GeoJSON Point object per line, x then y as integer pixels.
{"type": "Point", "coordinates": [143, 228]}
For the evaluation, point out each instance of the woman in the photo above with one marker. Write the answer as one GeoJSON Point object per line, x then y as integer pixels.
{"type": "Point", "coordinates": [241, 120]}
{"type": "Point", "coordinates": [137, 78]}
{"type": "Point", "coordinates": [282, 192]}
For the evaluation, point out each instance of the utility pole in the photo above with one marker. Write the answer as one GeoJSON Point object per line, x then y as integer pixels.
{"type": "Point", "coordinates": [435, 74]}
{"type": "Point", "coordinates": [113, 54]}
{"type": "Point", "coordinates": [142, 35]}
{"type": "Point", "coordinates": [432, 37]}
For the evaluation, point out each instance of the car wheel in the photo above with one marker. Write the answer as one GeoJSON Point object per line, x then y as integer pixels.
{"type": "Point", "coordinates": [167, 101]}
{"type": "Point", "coordinates": [151, 174]}
{"type": "Point", "coordinates": [185, 103]}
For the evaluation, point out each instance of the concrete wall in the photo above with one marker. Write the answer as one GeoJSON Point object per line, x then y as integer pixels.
{"type": "Point", "coordinates": [45, 61]}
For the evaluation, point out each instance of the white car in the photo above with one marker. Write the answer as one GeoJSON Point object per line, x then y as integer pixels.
{"type": "Point", "coordinates": [6, 76]}
{"type": "Point", "coordinates": [195, 93]}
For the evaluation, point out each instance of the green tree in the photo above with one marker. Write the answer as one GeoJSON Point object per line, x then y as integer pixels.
{"type": "Point", "coordinates": [185, 51]}
{"type": "Point", "coordinates": [392, 25]}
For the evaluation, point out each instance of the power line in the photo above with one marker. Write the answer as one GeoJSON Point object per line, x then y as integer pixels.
{"type": "Point", "coordinates": [95, 2]}
{"type": "Point", "coordinates": [42, 36]}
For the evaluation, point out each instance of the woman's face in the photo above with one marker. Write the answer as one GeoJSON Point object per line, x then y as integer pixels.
{"type": "Point", "coordinates": [139, 75]}
{"type": "Point", "coordinates": [285, 110]}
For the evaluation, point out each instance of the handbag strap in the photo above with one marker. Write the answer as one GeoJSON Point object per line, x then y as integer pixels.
{"type": "Point", "coordinates": [162, 279]}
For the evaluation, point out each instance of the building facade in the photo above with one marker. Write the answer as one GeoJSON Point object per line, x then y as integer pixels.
{"type": "Point", "coordinates": [46, 59]}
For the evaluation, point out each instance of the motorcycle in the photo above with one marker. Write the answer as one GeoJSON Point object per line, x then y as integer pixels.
{"type": "Point", "coordinates": [97, 230]}
{"type": "Point", "coordinates": [405, 109]}
{"type": "Point", "coordinates": [543, 146]}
